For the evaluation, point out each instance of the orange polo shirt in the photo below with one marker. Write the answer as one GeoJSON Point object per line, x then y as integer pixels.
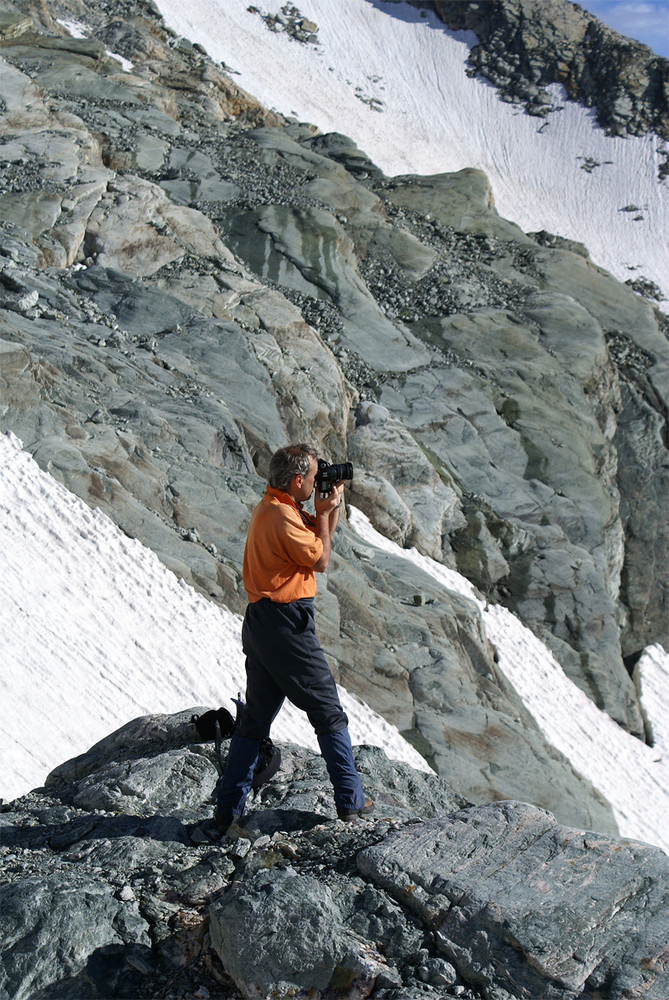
{"type": "Point", "coordinates": [281, 550]}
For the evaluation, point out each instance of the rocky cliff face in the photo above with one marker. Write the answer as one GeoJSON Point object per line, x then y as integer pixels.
{"type": "Point", "coordinates": [187, 282]}
{"type": "Point", "coordinates": [112, 888]}
{"type": "Point", "coordinates": [525, 45]}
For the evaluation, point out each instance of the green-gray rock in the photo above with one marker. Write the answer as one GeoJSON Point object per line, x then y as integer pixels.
{"type": "Point", "coordinates": [187, 282]}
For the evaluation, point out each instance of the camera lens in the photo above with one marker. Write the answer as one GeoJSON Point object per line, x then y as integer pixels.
{"type": "Point", "coordinates": [328, 475]}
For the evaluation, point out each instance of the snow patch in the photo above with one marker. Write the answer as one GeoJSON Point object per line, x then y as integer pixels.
{"type": "Point", "coordinates": [96, 631]}
{"type": "Point", "coordinates": [75, 28]}
{"type": "Point", "coordinates": [78, 30]}
{"type": "Point", "coordinates": [632, 776]}
{"type": "Point", "coordinates": [126, 64]}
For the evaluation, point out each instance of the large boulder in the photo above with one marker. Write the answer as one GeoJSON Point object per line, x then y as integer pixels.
{"type": "Point", "coordinates": [284, 934]}
{"type": "Point", "coordinates": [67, 928]}
{"type": "Point", "coordinates": [514, 899]}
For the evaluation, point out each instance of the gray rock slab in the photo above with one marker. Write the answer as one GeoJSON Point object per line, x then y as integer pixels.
{"type": "Point", "coordinates": [463, 199]}
{"type": "Point", "coordinates": [282, 934]}
{"type": "Point", "coordinates": [514, 898]}
{"type": "Point", "coordinates": [313, 242]}
{"type": "Point", "coordinates": [51, 929]}
{"type": "Point", "coordinates": [76, 79]}
{"type": "Point", "coordinates": [144, 737]}
{"type": "Point", "coordinates": [536, 471]}
{"type": "Point", "coordinates": [405, 498]}
{"type": "Point", "coordinates": [644, 487]}
{"type": "Point", "coordinates": [23, 100]}
{"type": "Point", "coordinates": [154, 232]}
{"type": "Point", "coordinates": [178, 779]}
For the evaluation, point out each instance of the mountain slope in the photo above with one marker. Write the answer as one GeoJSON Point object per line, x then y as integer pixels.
{"type": "Point", "coordinates": [182, 293]}
{"type": "Point", "coordinates": [560, 173]}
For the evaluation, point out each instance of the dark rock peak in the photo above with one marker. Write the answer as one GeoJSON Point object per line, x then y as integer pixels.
{"type": "Point", "coordinates": [113, 878]}
{"type": "Point", "coordinates": [525, 45]}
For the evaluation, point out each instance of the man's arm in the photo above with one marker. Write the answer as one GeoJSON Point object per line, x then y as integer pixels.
{"type": "Point", "coordinates": [327, 518]}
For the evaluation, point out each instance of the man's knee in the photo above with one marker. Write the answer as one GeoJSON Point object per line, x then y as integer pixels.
{"type": "Point", "coordinates": [253, 724]}
{"type": "Point", "coordinates": [328, 720]}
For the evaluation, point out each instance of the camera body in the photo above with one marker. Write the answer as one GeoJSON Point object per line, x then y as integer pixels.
{"type": "Point", "coordinates": [328, 475]}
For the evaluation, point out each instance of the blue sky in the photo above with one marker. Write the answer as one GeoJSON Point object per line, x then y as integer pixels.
{"type": "Point", "coordinates": [645, 20]}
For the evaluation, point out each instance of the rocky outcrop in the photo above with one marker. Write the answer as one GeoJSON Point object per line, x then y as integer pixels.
{"type": "Point", "coordinates": [525, 45]}
{"type": "Point", "coordinates": [488, 906]}
{"type": "Point", "coordinates": [112, 878]}
{"type": "Point", "coordinates": [187, 282]}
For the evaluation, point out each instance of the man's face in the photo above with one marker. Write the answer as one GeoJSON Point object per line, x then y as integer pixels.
{"type": "Point", "coordinates": [304, 485]}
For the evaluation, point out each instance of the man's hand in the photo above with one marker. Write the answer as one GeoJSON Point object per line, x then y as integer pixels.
{"type": "Point", "coordinates": [325, 505]}
{"type": "Point", "coordinates": [327, 516]}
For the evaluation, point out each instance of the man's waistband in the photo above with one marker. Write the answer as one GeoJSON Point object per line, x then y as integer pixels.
{"type": "Point", "coordinates": [301, 601]}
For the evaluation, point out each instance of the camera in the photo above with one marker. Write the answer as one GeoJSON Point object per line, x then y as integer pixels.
{"type": "Point", "coordinates": [328, 475]}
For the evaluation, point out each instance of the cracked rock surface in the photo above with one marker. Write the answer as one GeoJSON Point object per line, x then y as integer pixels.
{"type": "Point", "coordinates": [114, 879]}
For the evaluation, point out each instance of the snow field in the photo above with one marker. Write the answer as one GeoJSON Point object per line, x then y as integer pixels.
{"type": "Point", "coordinates": [435, 119]}
{"type": "Point", "coordinates": [96, 631]}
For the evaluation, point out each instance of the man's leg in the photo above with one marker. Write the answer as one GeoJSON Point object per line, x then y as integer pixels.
{"type": "Point", "coordinates": [285, 637]}
{"type": "Point", "coordinates": [338, 756]}
{"type": "Point", "coordinates": [235, 784]}
{"type": "Point", "coordinates": [263, 701]}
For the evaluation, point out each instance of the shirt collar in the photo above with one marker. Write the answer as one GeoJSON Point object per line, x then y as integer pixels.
{"type": "Point", "coordinates": [286, 498]}
{"type": "Point", "coordinates": [280, 495]}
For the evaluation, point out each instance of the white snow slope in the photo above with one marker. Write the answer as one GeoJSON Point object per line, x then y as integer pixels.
{"type": "Point", "coordinates": [96, 631]}
{"type": "Point", "coordinates": [432, 118]}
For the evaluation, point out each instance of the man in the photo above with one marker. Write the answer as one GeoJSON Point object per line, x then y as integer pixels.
{"type": "Point", "coordinates": [285, 547]}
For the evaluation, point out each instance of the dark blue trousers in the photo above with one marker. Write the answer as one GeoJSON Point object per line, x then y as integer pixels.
{"type": "Point", "coordinates": [284, 659]}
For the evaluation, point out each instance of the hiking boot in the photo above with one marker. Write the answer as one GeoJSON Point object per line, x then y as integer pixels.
{"type": "Point", "coordinates": [206, 832]}
{"type": "Point", "coordinates": [225, 822]}
{"type": "Point", "coordinates": [219, 827]}
{"type": "Point", "coordinates": [352, 814]}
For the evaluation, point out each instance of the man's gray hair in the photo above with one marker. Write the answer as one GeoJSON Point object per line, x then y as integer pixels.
{"type": "Point", "coordinates": [294, 460]}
